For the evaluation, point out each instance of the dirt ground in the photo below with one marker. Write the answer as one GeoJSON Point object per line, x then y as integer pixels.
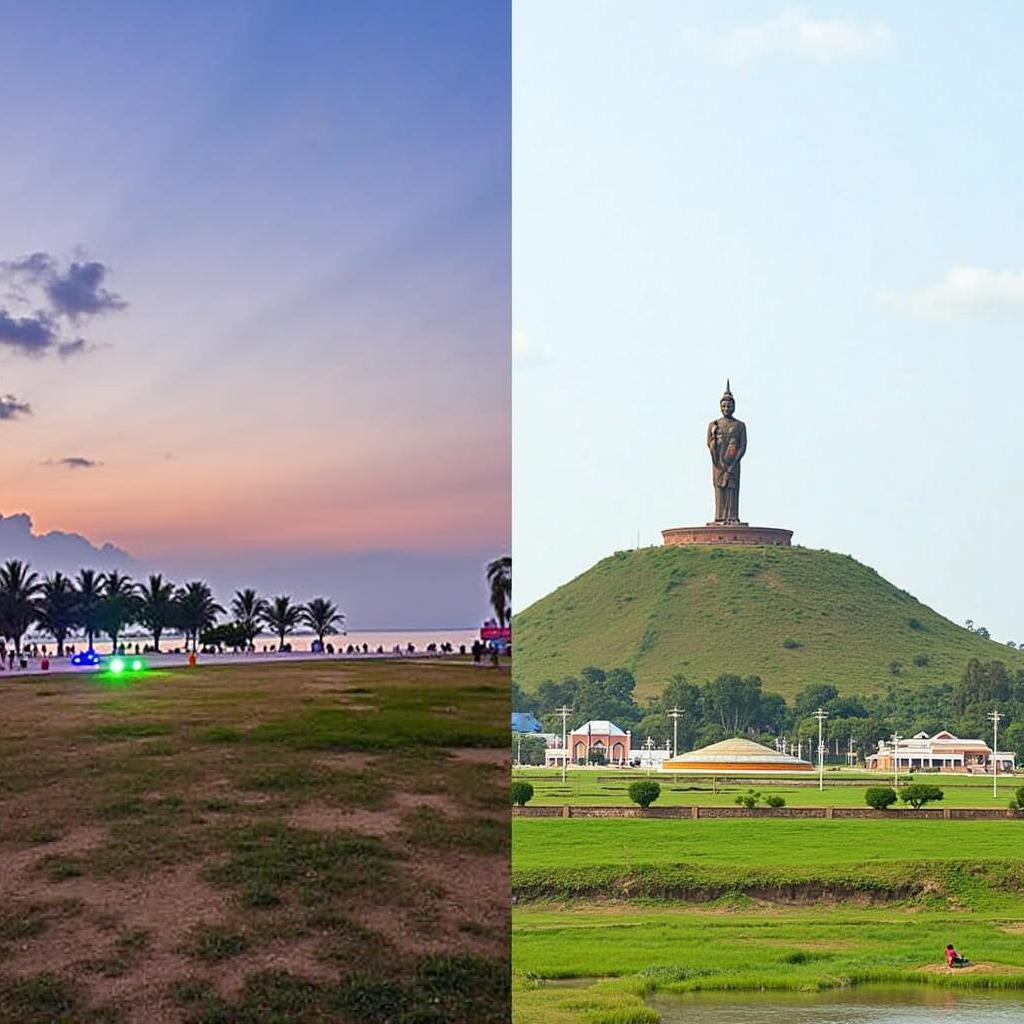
{"type": "Point", "coordinates": [256, 843]}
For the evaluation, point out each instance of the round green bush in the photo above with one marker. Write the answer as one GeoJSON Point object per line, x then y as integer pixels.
{"type": "Point", "coordinates": [920, 794]}
{"type": "Point", "coordinates": [775, 800]}
{"type": "Point", "coordinates": [522, 793]}
{"type": "Point", "coordinates": [880, 797]}
{"type": "Point", "coordinates": [644, 792]}
{"type": "Point", "coordinates": [1017, 801]}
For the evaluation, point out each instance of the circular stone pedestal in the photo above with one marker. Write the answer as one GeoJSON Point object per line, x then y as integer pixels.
{"type": "Point", "coordinates": [718, 535]}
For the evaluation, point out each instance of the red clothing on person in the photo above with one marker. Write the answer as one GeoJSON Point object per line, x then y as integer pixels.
{"type": "Point", "coordinates": [951, 955]}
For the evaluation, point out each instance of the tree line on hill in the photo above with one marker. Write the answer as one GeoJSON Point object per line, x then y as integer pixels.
{"type": "Point", "coordinates": [95, 603]}
{"type": "Point", "coordinates": [731, 705]}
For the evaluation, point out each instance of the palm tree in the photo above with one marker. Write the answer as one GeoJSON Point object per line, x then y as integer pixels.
{"type": "Point", "coordinates": [57, 608]}
{"type": "Point", "coordinates": [90, 601]}
{"type": "Point", "coordinates": [19, 588]}
{"type": "Point", "coordinates": [499, 576]}
{"type": "Point", "coordinates": [119, 606]}
{"type": "Point", "coordinates": [282, 617]}
{"type": "Point", "coordinates": [249, 610]}
{"type": "Point", "coordinates": [156, 606]}
{"type": "Point", "coordinates": [321, 615]}
{"type": "Point", "coordinates": [197, 610]}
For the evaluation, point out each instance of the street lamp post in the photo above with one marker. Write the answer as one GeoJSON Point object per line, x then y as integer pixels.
{"type": "Point", "coordinates": [821, 714]}
{"type": "Point", "coordinates": [564, 711]}
{"type": "Point", "coordinates": [519, 750]}
{"type": "Point", "coordinates": [674, 715]}
{"type": "Point", "coordinates": [649, 746]}
{"type": "Point", "coordinates": [993, 716]}
{"type": "Point", "coordinates": [896, 737]}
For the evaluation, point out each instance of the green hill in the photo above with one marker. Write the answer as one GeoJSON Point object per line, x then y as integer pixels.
{"type": "Point", "coordinates": [790, 615]}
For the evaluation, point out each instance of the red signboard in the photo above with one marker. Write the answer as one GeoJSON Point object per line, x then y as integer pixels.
{"type": "Point", "coordinates": [489, 632]}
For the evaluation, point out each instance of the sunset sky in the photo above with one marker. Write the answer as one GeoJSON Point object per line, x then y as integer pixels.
{"type": "Point", "coordinates": [255, 290]}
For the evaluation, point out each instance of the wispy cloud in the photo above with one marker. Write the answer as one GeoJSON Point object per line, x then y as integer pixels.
{"type": "Point", "coordinates": [12, 409]}
{"type": "Point", "coordinates": [963, 291]}
{"type": "Point", "coordinates": [73, 462]}
{"type": "Point", "coordinates": [799, 34]}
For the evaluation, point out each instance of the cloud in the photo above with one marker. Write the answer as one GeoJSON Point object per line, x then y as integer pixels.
{"type": "Point", "coordinates": [32, 335]}
{"type": "Point", "coordinates": [798, 34]}
{"type": "Point", "coordinates": [12, 409]}
{"type": "Point", "coordinates": [73, 462]}
{"type": "Point", "coordinates": [963, 291]}
{"type": "Point", "coordinates": [63, 295]}
{"type": "Point", "coordinates": [79, 291]}
{"type": "Point", "coordinates": [66, 552]}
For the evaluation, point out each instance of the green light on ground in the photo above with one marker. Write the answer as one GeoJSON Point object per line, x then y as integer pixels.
{"type": "Point", "coordinates": [137, 665]}
{"type": "Point", "coordinates": [116, 666]}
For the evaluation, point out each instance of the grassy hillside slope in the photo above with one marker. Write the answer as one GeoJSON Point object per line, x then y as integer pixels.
{"type": "Point", "coordinates": [790, 615]}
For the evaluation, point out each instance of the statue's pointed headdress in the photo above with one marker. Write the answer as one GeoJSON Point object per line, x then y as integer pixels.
{"type": "Point", "coordinates": [727, 393]}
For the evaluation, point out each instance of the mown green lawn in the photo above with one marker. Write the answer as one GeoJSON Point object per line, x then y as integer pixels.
{"type": "Point", "coordinates": [745, 842]}
{"type": "Point", "coordinates": [609, 788]}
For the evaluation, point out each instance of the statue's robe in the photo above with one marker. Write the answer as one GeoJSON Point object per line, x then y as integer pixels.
{"type": "Point", "coordinates": [727, 443]}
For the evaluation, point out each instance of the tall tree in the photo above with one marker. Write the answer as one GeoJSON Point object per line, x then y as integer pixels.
{"type": "Point", "coordinates": [499, 578]}
{"type": "Point", "coordinates": [282, 617]}
{"type": "Point", "coordinates": [119, 606]}
{"type": "Point", "coordinates": [90, 601]}
{"type": "Point", "coordinates": [156, 607]}
{"type": "Point", "coordinates": [197, 610]}
{"type": "Point", "coordinates": [19, 587]}
{"type": "Point", "coordinates": [321, 616]}
{"type": "Point", "coordinates": [57, 608]}
{"type": "Point", "coordinates": [249, 610]}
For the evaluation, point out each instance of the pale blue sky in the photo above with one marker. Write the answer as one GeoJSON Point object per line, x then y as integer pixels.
{"type": "Point", "coordinates": [824, 204]}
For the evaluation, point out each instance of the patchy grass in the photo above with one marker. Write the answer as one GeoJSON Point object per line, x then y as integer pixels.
{"type": "Point", "coordinates": [168, 806]}
{"type": "Point", "coordinates": [213, 943]}
{"type": "Point", "coordinates": [269, 860]}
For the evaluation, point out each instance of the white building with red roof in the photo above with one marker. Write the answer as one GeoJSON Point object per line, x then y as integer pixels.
{"type": "Point", "coordinates": [943, 751]}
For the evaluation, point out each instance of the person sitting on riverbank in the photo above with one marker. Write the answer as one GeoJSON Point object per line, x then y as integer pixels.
{"type": "Point", "coordinates": [954, 959]}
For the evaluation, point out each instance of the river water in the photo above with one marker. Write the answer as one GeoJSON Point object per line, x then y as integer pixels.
{"type": "Point", "coordinates": [868, 1005]}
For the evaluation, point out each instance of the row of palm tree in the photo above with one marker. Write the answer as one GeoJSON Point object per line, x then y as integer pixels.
{"type": "Point", "coordinates": [109, 602]}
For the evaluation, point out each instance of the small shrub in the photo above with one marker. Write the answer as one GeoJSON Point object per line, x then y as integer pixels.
{"type": "Point", "coordinates": [596, 757]}
{"type": "Point", "coordinates": [1017, 801]}
{"type": "Point", "coordinates": [750, 799]}
{"type": "Point", "coordinates": [790, 644]}
{"type": "Point", "coordinates": [920, 661]}
{"type": "Point", "coordinates": [895, 667]}
{"type": "Point", "coordinates": [522, 793]}
{"type": "Point", "coordinates": [775, 800]}
{"type": "Point", "coordinates": [920, 794]}
{"type": "Point", "coordinates": [914, 623]}
{"type": "Point", "coordinates": [880, 797]}
{"type": "Point", "coordinates": [644, 792]}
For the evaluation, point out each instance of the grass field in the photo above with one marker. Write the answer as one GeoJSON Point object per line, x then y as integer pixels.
{"type": "Point", "coordinates": [792, 616]}
{"type": "Point", "coordinates": [306, 842]}
{"type": "Point", "coordinates": [609, 788]}
{"type": "Point", "coordinates": [754, 904]}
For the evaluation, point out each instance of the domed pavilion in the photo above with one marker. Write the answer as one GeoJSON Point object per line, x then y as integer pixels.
{"type": "Point", "coordinates": [736, 756]}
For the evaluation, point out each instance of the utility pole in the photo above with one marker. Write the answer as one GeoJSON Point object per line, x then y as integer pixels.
{"type": "Point", "coordinates": [519, 750]}
{"type": "Point", "coordinates": [993, 716]}
{"type": "Point", "coordinates": [821, 714]}
{"type": "Point", "coordinates": [564, 711]}
{"type": "Point", "coordinates": [674, 715]}
{"type": "Point", "coordinates": [649, 745]}
{"type": "Point", "coordinates": [896, 737]}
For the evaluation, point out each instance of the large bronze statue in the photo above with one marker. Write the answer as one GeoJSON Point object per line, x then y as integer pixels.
{"type": "Point", "coordinates": [727, 442]}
